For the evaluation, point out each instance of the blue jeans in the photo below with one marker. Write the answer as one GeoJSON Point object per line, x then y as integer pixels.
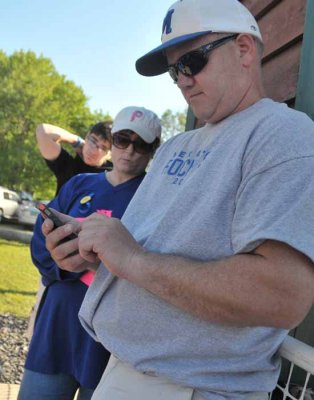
{"type": "Point", "coordinates": [40, 386]}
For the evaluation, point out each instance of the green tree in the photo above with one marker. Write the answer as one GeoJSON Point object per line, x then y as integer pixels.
{"type": "Point", "coordinates": [33, 92]}
{"type": "Point", "coordinates": [172, 123]}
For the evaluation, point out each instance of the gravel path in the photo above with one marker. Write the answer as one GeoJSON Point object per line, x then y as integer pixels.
{"type": "Point", "coordinates": [13, 348]}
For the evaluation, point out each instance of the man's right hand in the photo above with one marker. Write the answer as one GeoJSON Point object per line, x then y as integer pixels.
{"type": "Point", "coordinates": [65, 252]}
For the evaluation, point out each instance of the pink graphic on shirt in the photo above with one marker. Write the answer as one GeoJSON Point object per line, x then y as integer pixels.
{"type": "Point", "coordinates": [108, 213]}
{"type": "Point", "coordinates": [88, 277]}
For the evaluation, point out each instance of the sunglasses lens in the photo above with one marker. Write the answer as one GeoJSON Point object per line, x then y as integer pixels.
{"type": "Point", "coordinates": [192, 63]}
{"type": "Point", "coordinates": [121, 142]}
{"type": "Point", "coordinates": [141, 147]}
{"type": "Point", "coordinates": [189, 64]}
{"type": "Point", "coordinates": [173, 73]}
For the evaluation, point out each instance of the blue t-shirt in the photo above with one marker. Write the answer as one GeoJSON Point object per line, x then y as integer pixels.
{"type": "Point", "coordinates": [59, 343]}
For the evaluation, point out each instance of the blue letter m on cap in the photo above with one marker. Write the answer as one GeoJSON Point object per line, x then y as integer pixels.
{"type": "Point", "coordinates": [166, 26]}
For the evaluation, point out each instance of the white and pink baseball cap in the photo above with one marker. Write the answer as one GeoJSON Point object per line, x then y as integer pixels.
{"type": "Point", "coordinates": [189, 19]}
{"type": "Point", "coordinates": [139, 120]}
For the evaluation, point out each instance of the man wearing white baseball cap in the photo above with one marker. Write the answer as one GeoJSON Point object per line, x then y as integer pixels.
{"type": "Point", "coordinates": [189, 20]}
{"type": "Point", "coordinates": [216, 249]}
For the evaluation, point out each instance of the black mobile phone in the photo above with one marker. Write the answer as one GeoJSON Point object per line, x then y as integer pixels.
{"type": "Point", "coordinates": [48, 213]}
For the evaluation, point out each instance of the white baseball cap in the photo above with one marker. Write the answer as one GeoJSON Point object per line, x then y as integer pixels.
{"type": "Point", "coordinates": [188, 19]}
{"type": "Point", "coordinates": [139, 120]}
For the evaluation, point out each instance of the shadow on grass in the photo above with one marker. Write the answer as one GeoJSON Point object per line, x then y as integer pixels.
{"type": "Point", "coordinates": [5, 291]}
{"type": "Point", "coordinates": [12, 243]}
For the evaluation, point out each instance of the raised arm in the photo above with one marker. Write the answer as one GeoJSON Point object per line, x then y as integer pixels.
{"type": "Point", "coordinates": [49, 138]}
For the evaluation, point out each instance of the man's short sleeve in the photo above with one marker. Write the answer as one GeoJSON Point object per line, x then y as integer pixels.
{"type": "Point", "coordinates": [277, 204]}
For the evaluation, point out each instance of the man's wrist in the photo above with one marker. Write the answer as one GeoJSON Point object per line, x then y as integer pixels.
{"type": "Point", "coordinates": [78, 143]}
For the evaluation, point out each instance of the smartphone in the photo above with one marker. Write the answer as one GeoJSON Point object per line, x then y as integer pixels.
{"type": "Point", "coordinates": [48, 213]}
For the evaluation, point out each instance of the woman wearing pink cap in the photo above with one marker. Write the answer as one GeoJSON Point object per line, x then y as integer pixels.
{"type": "Point", "coordinates": [62, 357]}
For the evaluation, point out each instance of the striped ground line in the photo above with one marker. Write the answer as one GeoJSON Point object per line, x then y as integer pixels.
{"type": "Point", "coordinates": [8, 391]}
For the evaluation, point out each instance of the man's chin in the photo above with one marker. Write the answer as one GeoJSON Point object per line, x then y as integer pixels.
{"type": "Point", "coordinates": [90, 162]}
{"type": "Point", "coordinates": [202, 117]}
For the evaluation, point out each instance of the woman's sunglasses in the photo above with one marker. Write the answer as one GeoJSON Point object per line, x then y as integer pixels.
{"type": "Point", "coordinates": [194, 61]}
{"type": "Point", "coordinates": [122, 141]}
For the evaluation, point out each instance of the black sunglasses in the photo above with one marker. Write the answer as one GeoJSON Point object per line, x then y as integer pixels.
{"type": "Point", "coordinates": [122, 141]}
{"type": "Point", "coordinates": [194, 61]}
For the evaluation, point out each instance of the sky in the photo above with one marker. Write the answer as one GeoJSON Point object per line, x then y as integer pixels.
{"type": "Point", "coordinates": [95, 43]}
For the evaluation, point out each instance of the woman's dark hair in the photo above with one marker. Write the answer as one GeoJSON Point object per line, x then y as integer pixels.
{"type": "Point", "coordinates": [156, 144]}
{"type": "Point", "coordinates": [103, 130]}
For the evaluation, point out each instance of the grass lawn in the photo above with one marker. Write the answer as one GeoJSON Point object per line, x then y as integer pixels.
{"type": "Point", "coordinates": [19, 279]}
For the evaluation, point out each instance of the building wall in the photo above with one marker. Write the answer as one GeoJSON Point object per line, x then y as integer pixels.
{"type": "Point", "coordinates": [282, 27]}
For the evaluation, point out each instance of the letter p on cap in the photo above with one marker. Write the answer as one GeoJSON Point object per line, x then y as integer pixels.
{"type": "Point", "coordinates": [136, 114]}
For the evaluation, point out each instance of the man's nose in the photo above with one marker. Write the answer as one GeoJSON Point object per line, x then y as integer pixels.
{"type": "Point", "coordinates": [184, 81]}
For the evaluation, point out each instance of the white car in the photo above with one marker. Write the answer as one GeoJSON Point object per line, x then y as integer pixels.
{"type": "Point", "coordinates": [27, 213]}
{"type": "Point", "coordinates": [9, 204]}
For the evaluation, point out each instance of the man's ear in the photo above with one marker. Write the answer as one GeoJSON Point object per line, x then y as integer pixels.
{"type": "Point", "coordinates": [247, 49]}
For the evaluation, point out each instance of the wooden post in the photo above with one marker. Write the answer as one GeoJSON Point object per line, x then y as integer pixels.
{"type": "Point", "coordinates": [305, 90]}
{"type": "Point", "coordinates": [190, 120]}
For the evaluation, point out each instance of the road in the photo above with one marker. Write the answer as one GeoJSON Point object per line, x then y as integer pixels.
{"type": "Point", "coordinates": [15, 232]}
